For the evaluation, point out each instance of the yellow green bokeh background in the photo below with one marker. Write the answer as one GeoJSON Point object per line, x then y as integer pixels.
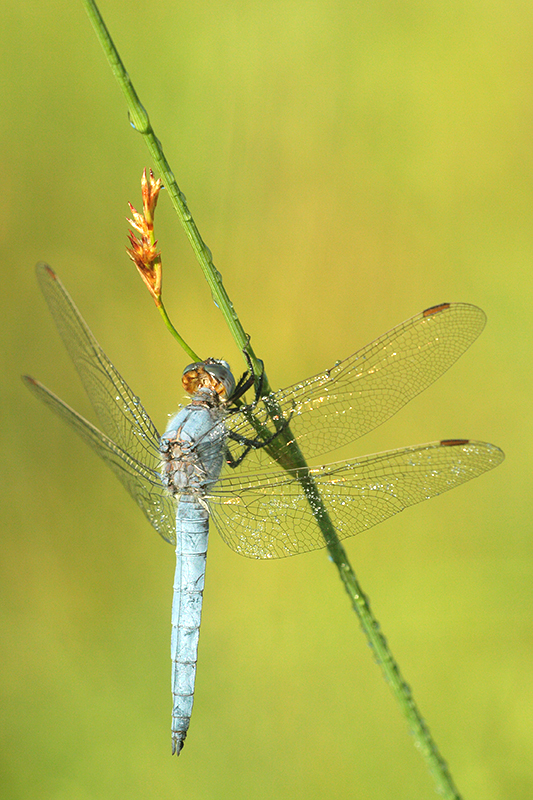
{"type": "Point", "coordinates": [348, 164]}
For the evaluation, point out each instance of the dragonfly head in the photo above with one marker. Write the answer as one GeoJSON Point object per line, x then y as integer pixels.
{"type": "Point", "coordinates": [212, 374]}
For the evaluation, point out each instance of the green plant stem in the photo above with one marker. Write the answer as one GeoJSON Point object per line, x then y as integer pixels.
{"type": "Point", "coordinates": [382, 654]}
{"type": "Point", "coordinates": [177, 336]}
{"type": "Point", "coordinates": [293, 457]}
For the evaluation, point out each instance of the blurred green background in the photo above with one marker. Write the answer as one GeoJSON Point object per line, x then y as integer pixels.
{"type": "Point", "coordinates": [349, 164]}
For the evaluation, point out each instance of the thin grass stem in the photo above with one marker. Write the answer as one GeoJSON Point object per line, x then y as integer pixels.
{"type": "Point", "coordinates": [177, 336]}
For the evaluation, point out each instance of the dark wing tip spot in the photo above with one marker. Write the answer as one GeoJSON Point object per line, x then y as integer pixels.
{"type": "Point", "coordinates": [428, 312]}
{"type": "Point", "coordinates": [42, 266]}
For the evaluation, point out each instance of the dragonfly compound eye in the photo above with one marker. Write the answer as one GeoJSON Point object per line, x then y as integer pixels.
{"type": "Point", "coordinates": [213, 374]}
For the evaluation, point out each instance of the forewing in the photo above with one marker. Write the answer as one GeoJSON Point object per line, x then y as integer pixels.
{"type": "Point", "coordinates": [119, 411]}
{"type": "Point", "coordinates": [141, 481]}
{"type": "Point", "coordinates": [359, 394]}
{"type": "Point", "coordinates": [267, 515]}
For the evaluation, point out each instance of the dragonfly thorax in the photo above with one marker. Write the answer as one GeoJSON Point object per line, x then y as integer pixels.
{"type": "Point", "coordinates": [192, 447]}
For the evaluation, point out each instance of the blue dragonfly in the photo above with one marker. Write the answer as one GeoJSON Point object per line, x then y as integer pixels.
{"type": "Point", "coordinates": [222, 459]}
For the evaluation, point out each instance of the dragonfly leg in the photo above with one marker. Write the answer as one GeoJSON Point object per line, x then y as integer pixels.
{"type": "Point", "coordinates": [259, 386]}
{"type": "Point", "coordinates": [251, 444]}
{"type": "Point", "coordinates": [247, 380]}
{"type": "Point", "coordinates": [234, 462]}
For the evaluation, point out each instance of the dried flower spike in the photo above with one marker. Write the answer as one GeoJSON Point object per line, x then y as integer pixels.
{"type": "Point", "coordinates": [143, 251]}
{"type": "Point", "coordinates": [150, 192]}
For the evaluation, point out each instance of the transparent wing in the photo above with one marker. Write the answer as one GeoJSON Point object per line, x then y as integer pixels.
{"type": "Point", "coordinates": [363, 391]}
{"type": "Point", "coordinates": [141, 481]}
{"type": "Point", "coordinates": [267, 515]}
{"type": "Point", "coordinates": [119, 411]}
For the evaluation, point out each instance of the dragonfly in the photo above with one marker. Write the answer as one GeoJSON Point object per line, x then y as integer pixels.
{"type": "Point", "coordinates": [237, 463]}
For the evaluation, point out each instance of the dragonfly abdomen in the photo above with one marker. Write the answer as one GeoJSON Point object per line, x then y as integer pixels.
{"type": "Point", "coordinates": [192, 527]}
